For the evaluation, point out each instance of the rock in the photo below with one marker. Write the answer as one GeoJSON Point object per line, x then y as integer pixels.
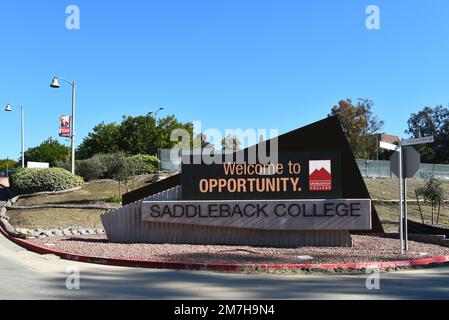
{"type": "Point", "coordinates": [46, 233]}
{"type": "Point", "coordinates": [158, 177]}
{"type": "Point", "coordinates": [58, 233]}
{"type": "Point", "coordinates": [305, 258]}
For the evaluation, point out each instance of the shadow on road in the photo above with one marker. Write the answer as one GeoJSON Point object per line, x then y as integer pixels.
{"type": "Point", "coordinates": [151, 284]}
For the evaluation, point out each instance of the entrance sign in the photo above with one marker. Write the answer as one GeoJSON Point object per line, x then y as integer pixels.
{"type": "Point", "coordinates": [299, 175]}
{"type": "Point", "coordinates": [311, 194]}
{"type": "Point", "coordinates": [264, 215]}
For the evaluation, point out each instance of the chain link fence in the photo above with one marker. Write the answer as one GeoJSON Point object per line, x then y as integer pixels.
{"type": "Point", "coordinates": [381, 169]}
{"type": "Point", "coordinates": [368, 168]}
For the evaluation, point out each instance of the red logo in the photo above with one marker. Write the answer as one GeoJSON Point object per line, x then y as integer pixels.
{"type": "Point", "coordinates": [320, 178]}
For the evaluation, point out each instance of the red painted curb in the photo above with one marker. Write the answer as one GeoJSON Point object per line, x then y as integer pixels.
{"type": "Point", "coordinates": [218, 267]}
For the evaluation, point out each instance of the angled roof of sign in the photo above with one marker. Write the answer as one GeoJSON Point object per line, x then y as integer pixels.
{"type": "Point", "coordinates": [326, 134]}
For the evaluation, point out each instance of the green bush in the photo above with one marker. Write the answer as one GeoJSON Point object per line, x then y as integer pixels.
{"type": "Point", "coordinates": [67, 165]}
{"type": "Point", "coordinates": [112, 165]}
{"type": "Point", "coordinates": [29, 181]}
{"type": "Point", "coordinates": [143, 164]}
{"type": "Point", "coordinates": [90, 169]}
{"type": "Point", "coordinates": [113, 199]}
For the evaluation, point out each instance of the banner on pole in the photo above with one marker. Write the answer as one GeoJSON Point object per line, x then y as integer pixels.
{"type": "Point", "coordinates": [64, 129]}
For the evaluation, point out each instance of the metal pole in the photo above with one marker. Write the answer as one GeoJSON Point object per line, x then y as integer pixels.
{"type": "Point", "coordinates": [405, 215]}
{"type": "Point", "coordinates": [73, 126]}
{"type": "Point", "coordinates": [377, 147]}
{"type": "Point", "coordinates": [401, 205]}
{"type": "Point", "coordinates": [23, 136]}
{"type": "Point", "coordinates": [377, 155]}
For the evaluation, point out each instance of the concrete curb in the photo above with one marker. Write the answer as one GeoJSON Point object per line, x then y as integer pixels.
{"type": "Point", "coordinates": [45, 193]}
{"type": "Point", "coordinates": [225, 267]}
{"type": "Point", "coordinates": [63, 206]}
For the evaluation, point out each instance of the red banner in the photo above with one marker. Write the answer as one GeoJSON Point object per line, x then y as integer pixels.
{"type": "Point", "coordinates": [64, 130]}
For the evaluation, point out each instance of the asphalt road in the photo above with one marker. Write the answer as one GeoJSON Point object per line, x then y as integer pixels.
{"type": "Point", "coordinates": [25, 275]}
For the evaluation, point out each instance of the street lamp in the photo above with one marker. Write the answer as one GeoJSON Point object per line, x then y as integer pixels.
{"type": "Point", "coordinates": [156, 113]}
{"type": "Point", "coordinates": [55, 84]}
{"type": "Point", "coordinates": [10, 108]}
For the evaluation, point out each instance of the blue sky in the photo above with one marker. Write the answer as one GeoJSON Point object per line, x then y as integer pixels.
{"type": "Point", "coordinates": [231, 64]}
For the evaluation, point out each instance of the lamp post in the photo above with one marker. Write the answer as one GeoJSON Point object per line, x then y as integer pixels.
{"type": "Point", "coordinates": [55, 84]}
{"type": "Point", "coordinates": [156, 113]}
{"type": "Point", "coordinates": [10, 108]}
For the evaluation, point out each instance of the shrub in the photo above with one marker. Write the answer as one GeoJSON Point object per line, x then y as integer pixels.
{"type": "Point", "coordinates": [29, 181]}
{"type": "Point", "coordinates": [142, 164]}
{"type": "Point", "coordinates": [64, 165]}
{"type": "Point", "coordinates": [110, 163]}
{"type": "Point", "coordinates": [90, 169]}
{"type": "Point", "coordinates": [113, 199]}
{"type": "Point", "coordinates": [433, 193]}
{"type": "Point", "coordinates": [113, 166]}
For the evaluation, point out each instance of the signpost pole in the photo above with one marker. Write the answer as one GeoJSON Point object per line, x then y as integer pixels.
{"type": "Point", "coordinates": [401, 201]}
{"type": "Point", "coordinates": [405, 163]}
{"type": "Point", "coordinates": [405, 216]}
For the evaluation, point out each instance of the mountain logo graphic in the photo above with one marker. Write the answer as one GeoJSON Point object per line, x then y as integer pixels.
{"type": "Point", "coordinates": [320, 178]}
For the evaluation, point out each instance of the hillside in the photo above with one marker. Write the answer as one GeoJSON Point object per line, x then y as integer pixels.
{"type": "Point", "coordinates": [97, 192]}
{"type": "Point", "coordinates": [388, 189]}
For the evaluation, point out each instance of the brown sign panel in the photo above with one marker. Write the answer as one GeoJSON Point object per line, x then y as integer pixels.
{"type": "Point", "coordinates": [295, 175]}
{"type": "Point", "coordinates": [322, 215]}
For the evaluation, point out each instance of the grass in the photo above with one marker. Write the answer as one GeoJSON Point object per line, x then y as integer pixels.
{"type": "Point", "coordinates": [388, 189]}
{"type": "Point", "coordinates": [389, 215]}
{"type": "Point", "coordinates": [55, 218]}
{"type": "Point", "coordinates": [93, 192]}
{"type": "Point", "coordinates": [104, 191]}
{"type": "Point", "coordinates": [90, 193]}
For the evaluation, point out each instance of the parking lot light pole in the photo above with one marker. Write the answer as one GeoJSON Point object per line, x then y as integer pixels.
{"type": "Point", "coordinates": [55, 84]}
{"type": "Point", "coordinates": [9, 108]}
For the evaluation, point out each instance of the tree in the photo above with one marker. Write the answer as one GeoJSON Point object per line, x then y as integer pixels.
{"type": "Point", "coordinates": [124, 169]}
{"type": "Point", "coordinates": [133, 136]}
{"type": "Point", "coordinates": [201, 141]}
{"type": "Point", "coordinates": [50, 151]}
{"type": "Point", "coordinates": [7, 164]}
{"type": "Point", "coordinates": [103, 139]}
{"type": "Point", "coordinates": [433, 193]}
{"type": "Point", "coordinates": [231, 144]}
{"type": "Point", "coordinates": [360, 126]}
{"type": "Point", "coordinates": [431, 122]}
